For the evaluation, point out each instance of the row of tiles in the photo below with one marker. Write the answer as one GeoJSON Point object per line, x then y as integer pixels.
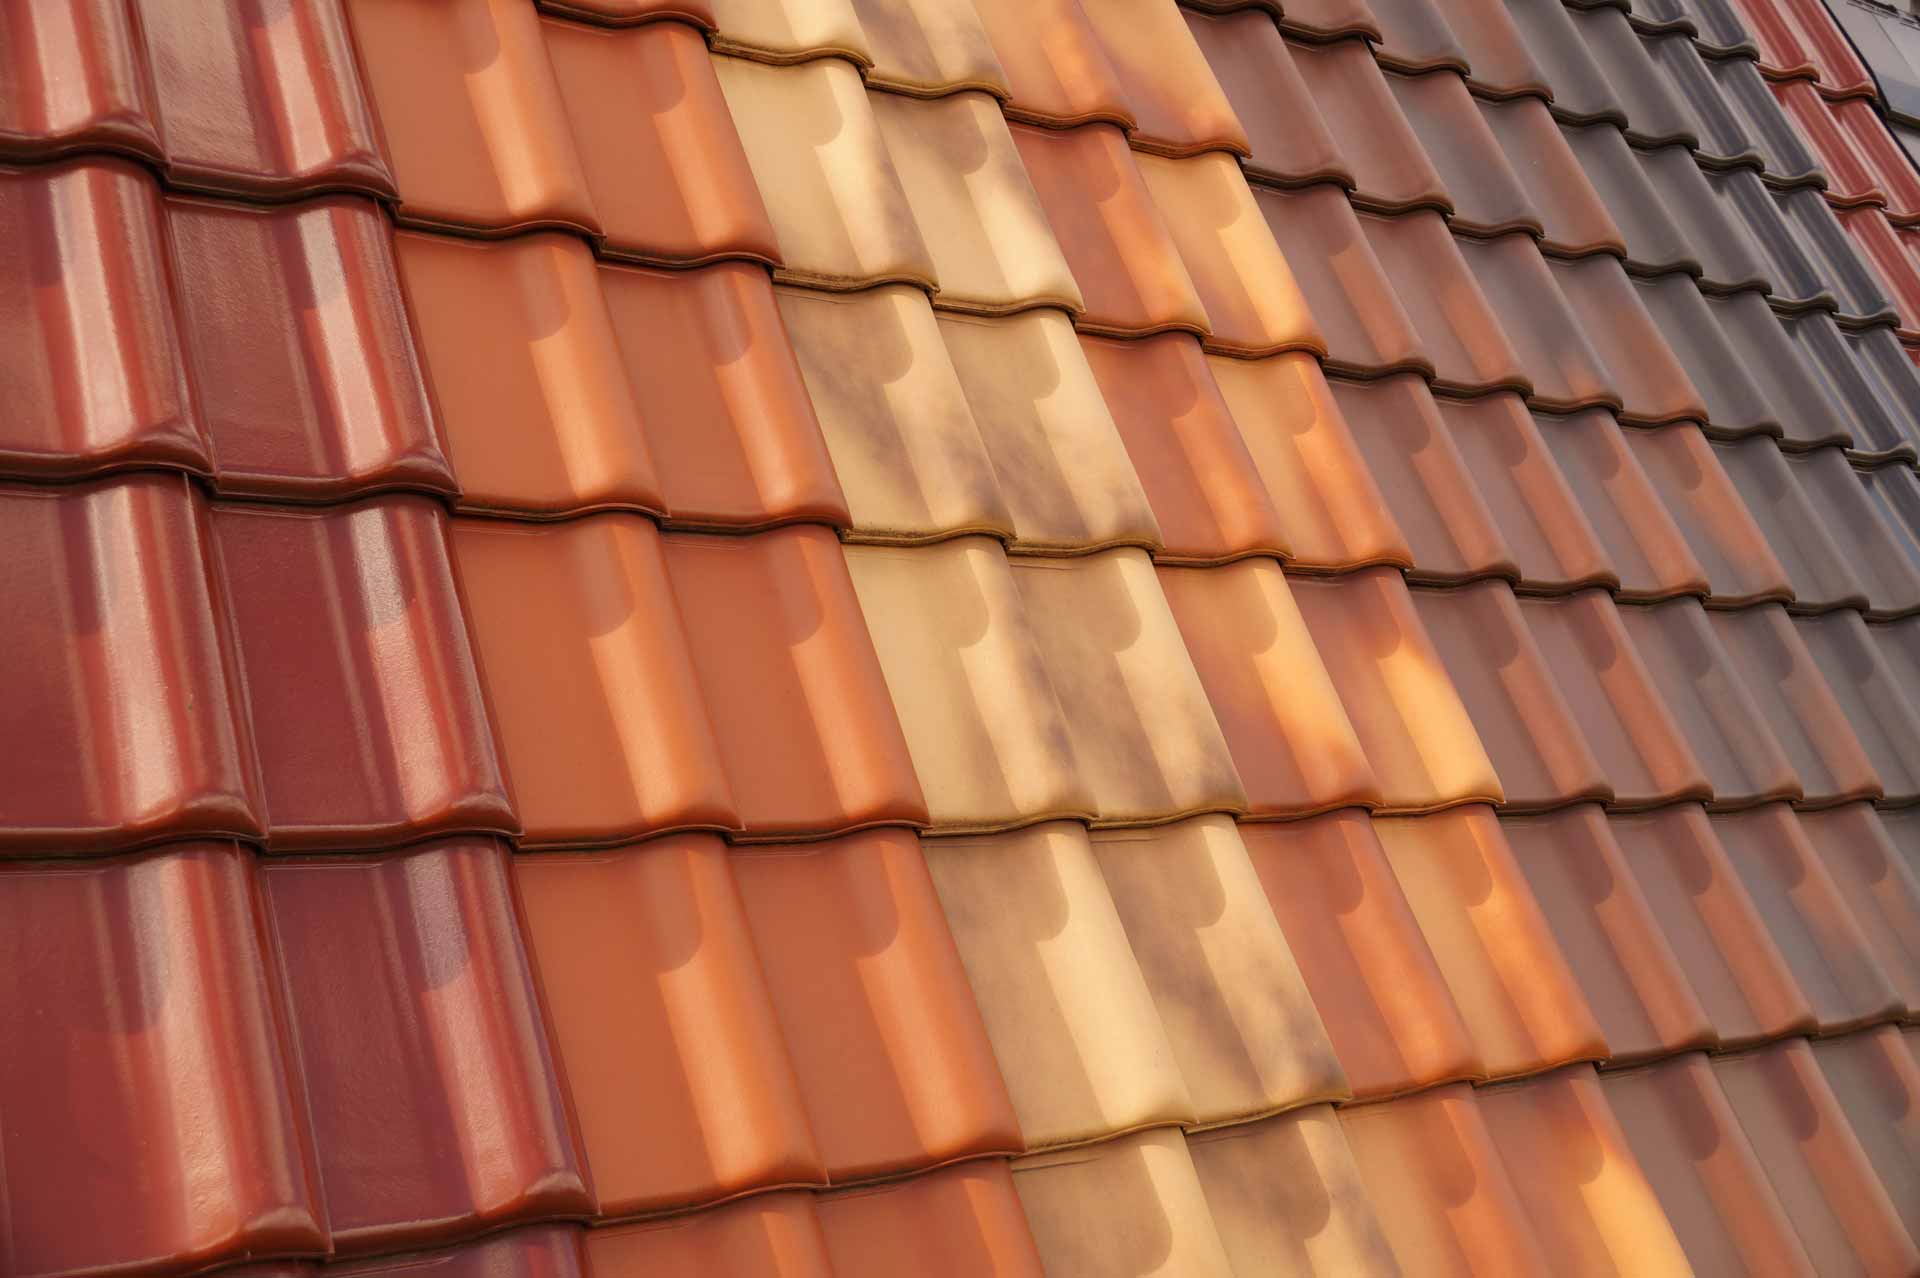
{"type": "Point", "coordinates": [782, 685]}
{"type": "Point", "coordinates": [687, 1023]}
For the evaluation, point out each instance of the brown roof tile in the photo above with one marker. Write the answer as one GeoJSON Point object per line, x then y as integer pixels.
{"type": "Point", "coordinates": [1486, 194]}
{"type": "Point", "coordinates": [551, 1251]}
{"type": "Point", "coordinates": [1870, 679]}
{"type": "Point", "coordinates": [1415, 36]}
{"type": "Point", "coordinates": [1653, 386]}
{"type": "Point", "coordinates": [787, 31]}
{"type": "Point", "coordinates": [1132, 1204]}
{"type": "Point", "coordinates": [1821, 571]}
{"type": "Point", "coordinates": [1178, 106]}
{"type": "Point", "coordinates": [927, 50]}
{"type": "Point", "coordinates": [950, 1223]}
{"type": "Point", "coordinates": [1879, 887]}
{"type": "Point", "coordinates": [1323, 19]}
{"type": "Point", "coordinates": [1056, 68]}
{"type": "Point", "coordinates": [1881, 548]}
{"type": "Point", "coordinates": [1072, 1018]}
{"type": "Point", "coordinates": [1366, 329]}
{"type": "Point", "coordinates": [1376, 141]}
{"type": "Point", "coordinates": [1872, 1075]}
{"type": "Point", "coordinates": [621, 13]}
{"type": "Point", "coordinates": [1687, 474]}
{"type": "Point", "coordinates": [975, 700]}
{"type": "Point", "coordinates": [1455, 322]}
{"type": "Point", "coordinates": [1208, 501]}
{"type": "Point", "coordinates": [1566, 371]}
{"type": "Point", "coordinates": [1289, 139]}
{"type": "Point", "coordinates": [1277, 707]}
{"type": "Point", "coordinates": [1572, 217]}
{"type": "Point", "coordinates": [1381, 996]}
{"type": "Point", "coordinates": [1601, 919]}
{"type": "Point", "coordinates": [1656, 103]}
{"type": "Point", "coordinates": [1499, 62]}
{"type": "Point", "coordinates": [1554, 36]}
{"type": "Point", "coordinates": [1670, 216]}
{"type": "Point", "coordinates": [1723, 941]}
{"type": "Point", "coordinates": [1112, 234]}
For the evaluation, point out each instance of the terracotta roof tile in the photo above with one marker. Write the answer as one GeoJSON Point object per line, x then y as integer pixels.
{"type": "Point", "coordinates": [1278, 709]}
{"type": "Point", "coordinates": [1071, 1016]}
{"type": "Point", "coordinates": [768, 1233]}
{"type": "Point", "coordinates": [1208, 501]}
{"type": "Point", "coordinates": [1289, 138]}
{"type": "Point", "coordinates": [1237, 1013]}
{"type": "Point", "coordinates": [1887, 166]}
{"type": "Point", "coordinates": [1487, 195]}
{"type": "Point", "coordinates": [1654, 387]}
{"type": "Point", "coordinates": [951, 1223]}
{"type": "Point", "coordinates": [819, 156]}
{"type": "Point", "coordinates": [1889, 253]}
{"type": "Point", "coordinates": [1703, 335]}
{"type": "Point", "coordinates": [621, 13]}
{"type": "Point", "coordinates": [1445, 1198]}
{"type": "Point", "coordinates": [1499, 62]}
{"type": "Point", "coordinates": [1178, 106]}
{"type": "Point", "coordinates": [1415, 36]}
{"type": "Point", "coordinates": [368, 719]}
{"type": "Point", "coordinates": [1724, 944]}
{"type": "Point", "coordinates": [1554, 37]}
{"type": "Point", "coordinates": [1314, 19]}
{"type": "Point", "coordinates": [1286, 1197]}
{"type": "Point", "coordinates": [1573, 219]}
{"type": "Point", "coordinates": [974, 697]}
{"type": "Point", "coordinates": [1380, 994]}
{"type": "Point", "coordinates": [1716, 25]}
{"type": "Point", "coordinates": [1566, 371]}
{"type": "Point", "coordinates": [1366, 329]}
{"type": "Point", "coordinates": [1881, 548]}
{"type": "Point", "coordinates": [1851, 176]}
{"type": "Point", "coordinates": [894, 415]}
{"type": "Point", "coordinates": [1879, 887]}
{"type": "Point", "coordinates": [1332, 512]}
{"type": "Point", "coordinates": [549, 1251]}
{"type": "Point", "coordinates": [1455, 322]}
{"type": "Point", "coordinates": [1423, 476]}
{"type": "Point", "coordinates": [1818, 1168]}
{"type": "Point", "coordinates": [1112, 234]}
{"type": "Point", "coordinates": [1870, 689]}
{"type": "Point", "coordinates": [1056, 68]}
{"type": "Point", "coordinates": [787, 31]}
{"type": "Point", "coordinates": [1376, 141]}
{"type": "Point", "coordinates": [1143, 734]}
{"type": "Point", "coordinates": [1058, 456]}
{"type": "Point", "coordinates": [1686, 472]}
{"type": "Point", "coordinates": [1607, 931]}
{"type": "Point", "coordinates": [1698, 1158]}
{"type": "Point", "coordinates": [1870, 1074]}
{"type": "Point", "coordinates": [1538, 1126]}
{"type": "Point", "coordinates": [92, 49]}
{"type": "Point", "coordinates": [927, 50]}
{"type": "Point", "coordinates": [991, 246]}
{"type": "Point", "coordinates": [1737, 120]}
{"type": "Point", "coordinates": [1131, 1204]}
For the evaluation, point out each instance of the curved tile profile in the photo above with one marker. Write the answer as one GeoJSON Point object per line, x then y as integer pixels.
{"type": "Point", "coordinates": [1072, 1018]}
{"type": "Point", "coordinates": [648, 965]}
{"type": "Point", "coordinates": [1132, 1205]}
{"type": "Point", "coordinates": [1333, 514]}
{"type": "Point", "coordinates": [1410, 720]}
{"type": "Point", "coordinates": [1453, 319]}
{"type": "Point", "coordinates": [1851, 176]}
{"type": "Point", "coordinates": [1607, 931]}
{"type": "Point", "coordinates": [1808, 546]}
{"type": "Point", "coordinates": [411, 967]}
{"type": "Point", "coordinates": [1519, 478]}
{"type": "Point", "coordinates": [776, 1233]}
{"type": "Point", "coordinates": [1711, 1180]}
{"type": "Point", "coordinates": [1387, 1009]}
{"type": "Point", "coordinates": [92, 49]}
{"type": "Point", "coordinates": [1809, 919]}
{"type": "Point", "coordinates": [1482, 924]}
{"type": "Point", "coordinates": [663, 166]}
{"type": "Point", "coordinates": [1518, 713]}
{"type": "Point", "coordinates": [1058, 456]}
{"type": "Point", "coordinates": [1105, 220]}
{"type": "Point", "coordinates": [90, 342]}
{"type": "Point", "coordinates": [1277, 707]}
{"type": "Point", "coordinates": [1866, 373]}
{"type": "Point", "coordinates": [1871, 681]}
{"type": "Point", "coordinates": [1430, 494]}
{"type": "Point", "coordinates": [1806, 720]}
{"type": "Point", "coordinates": [1668, 212]}
{"type": "Point", "coordinates": [368, 719]}
{"type": "Point", "coordinates": [1235, 1008]}
{"type": "Point", "coordinates": [1886, 164]}
{"type": "Point", "coordinates": [894, 415]}
{"type": "Point", "coordinates": [1559, 1139]}
{"type": "Point", "coordinates": [952, 1223]}
{"type": "Point", "coordinates": [1487, 196]}
{"type": "Point", "coordinates": [1873, 1076]}
{"type": "Point", "coordinates": [1654, 388]}
{"type": "Point", "coordinates": [819, 158]}
{"type": "Point", "coordinates": [1207, 498]}
{"type": "Point", "coordinates": [472, 115]}
{"type": "Point", "coordinates": [965, 671]}
{"type": "Point", "coordinates": [1444, 1197]}
{"type": "Point", "coordinates": [1498, 60]}
{"type": "Point", "coordinates": [625, 13]}
{"type": "Point", "coordinates": [1879, 888]}
{"type": "Point", "coordinates": [1253, 303]}
{"type": "Point", "coordinates": [301, 350]}
{"type": "Point", "coordinates": [1724, 944]}
{"type": "Point", "coordinates": [1375, 140]}
{"type": "Point", "coordinates": [143, 1020]}
{"type": "Point", "coordinates": [126, 707]}
{"type": "Point", "coordinates": [1573, 219]}
{"type": "Point", "coordinates": [992, 249]}
{"type": "Point", "coordinates": [1701, 687]}
{"type": "Point", "coordinates": [1286, 1197]}
{"type": "Point", "coordinates": [1366, 330]}
{"type": "Point", "coordinates": [1686, 473]}
{"type": "Point", "coordinates": [892, 1057]}
{"type": "Point", "coordinates": [1618, 705]}
{"type": "Point", "coordinates": [928, 49]}
{"type": "Point", "coordinates": [1565, 371]}
{"type": "Point", "coordinates": [1178, 107]}
{"type": "Point", "coordinates": [1822, 1175]}
{"type": "Point", "coordinates": [1740, 401]}
{"type": "Point", "coordinates": [536, 1251]}
{"type": "Point", "coordinates": [789, 31]}
{"type": "Point", "coordinates": [587, 672]}
{"type": "Point", "coordinates": [1881, 548]}
{"type": "Point", "coordinates": [1143, 734]}
{"type": "Point", "coordinates": [1057, 71]}
{"type": "Point", "coordinates": [1288, 136]}
{"type": "Point", "coordinates": [1415, 36]}
{"type": "Point", "coordinates": [1637, 535]}
{"type": "Point", "coordinates": [790, 683]}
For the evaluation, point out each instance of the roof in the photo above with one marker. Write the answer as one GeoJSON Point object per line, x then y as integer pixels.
{"type": "Point", "coordinates": [959, 637]}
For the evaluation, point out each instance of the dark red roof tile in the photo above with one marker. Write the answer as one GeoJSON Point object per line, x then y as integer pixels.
{"type": "Point", "coordinates": [1499, 62]}
{"type": "Point", "coordinates": [1851, 178]}
{"type": "Point", "coordinates": [1891, 253]}
{"type": "Point", "coordinates": [1573, 219]}
{"type": "Point", "coordinates": [954, 1223]}
{"type": "Point", "coordinates": [1871, 688]}
{"type": "Point", "coordinates": [1376, 142]}
{"type": "Point", "coordinates": [1487, 196]}
{"type": "Point", "coordinates": [1887, 165]}
{"type": "Point", "coordinates": [1654, 387]}
{"type": "Point", "coordinates": [595, 698]}
{"type": "Point", "coordinates": [1565, 370]}
{"type": "Point", "coordinates": [1777, 34]}
{"type": "Point", "coordinates": [1415, 36]}
{"type": "Point", "coordinates": [1385, 1004]}
{"type": "Point", "coordinates": [1879, 887]}
{"type": "Point", "coordinates": [1601, 919]}
{"type": "Point", "coordinates": [1207, 497]}
{"type": "Point", "coordinates": [1454, 321]}
{"type": "Point", "coordinates": [1353, 304]}
{"type": "Point", "coordinates": [1724, 942]}
{"type": "Point", "coordinates": [1278, 709]}
{"type": "Point", "coordinates": [366, 708]}
{"type": "Point", "coordinates": [790, 683]}
{"type": "Point", "coordinates": [1055, 66]}
{"type": "Point", "coordinates": [1290, 141]}
{"type": "Point", "coordinates": [90, 344]}
{"type": "Point", "coordinates": [1873, 1077]}
{"type": "Point", "coordinates": [766, 1234]}
{"type": "Point", "coordinates": [92, 50]}
{"type": "Point", "coordinates": [1685, 471]}
{"type": "Point", "coordinates": [406, 978]}
{"type": "Point", "coordinates": [126, 704]}
{"type": "Point", "coordinates": [141, 992]}
{"type": "Point", "coordinates": [1178, 106]}
{"type": "Point", "coordinates": [1707, 1173]}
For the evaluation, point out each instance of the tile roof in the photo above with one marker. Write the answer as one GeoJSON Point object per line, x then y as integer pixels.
{"type": "Point", "coordinates": [957, 637]}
